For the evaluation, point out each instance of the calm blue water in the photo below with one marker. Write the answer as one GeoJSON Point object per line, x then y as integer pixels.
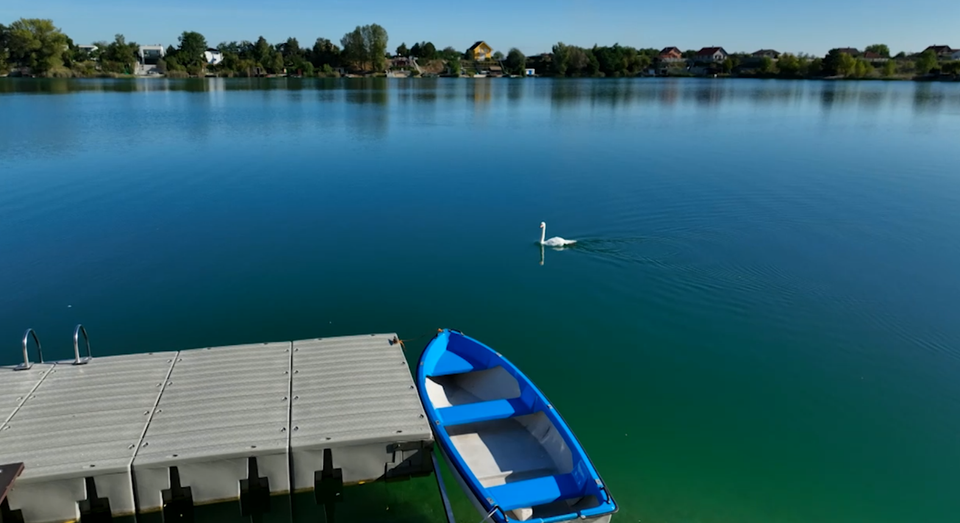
{"type": "Point", "coordinates": [760, 322]}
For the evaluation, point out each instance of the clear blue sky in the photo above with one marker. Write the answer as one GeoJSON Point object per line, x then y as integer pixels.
{"type": "Point", "coordinates": [533, 26]}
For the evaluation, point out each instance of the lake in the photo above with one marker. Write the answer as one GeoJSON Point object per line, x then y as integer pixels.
{"type": "Point", "coordinates": [760, 321]}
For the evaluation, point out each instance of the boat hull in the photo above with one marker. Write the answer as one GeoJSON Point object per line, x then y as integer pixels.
{"type": "Point", "coordinates": [485, 513]}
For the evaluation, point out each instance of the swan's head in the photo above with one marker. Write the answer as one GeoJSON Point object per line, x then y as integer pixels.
{"type": "Point", "coordinates": [542, 225]}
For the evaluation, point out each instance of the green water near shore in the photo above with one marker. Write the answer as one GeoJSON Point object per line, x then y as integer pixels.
{"type": "Point", "coordinates": [759, 323]}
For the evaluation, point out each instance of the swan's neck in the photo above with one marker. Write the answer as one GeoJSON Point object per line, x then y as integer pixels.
{"type": "Point", "coordinates": [543, 233]}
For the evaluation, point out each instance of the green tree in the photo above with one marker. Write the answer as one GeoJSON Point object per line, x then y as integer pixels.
{"type": "Point", "coordinates": [449, 53]}
{"type": "Point", "coordinates": [862, 68]}
{"type": "Point", "coordinates": [192, 47]}
{"type": "Point", "coordinates": [926, 62]}
{"type": "Point", "coordinates": [498, 56]}
{"type": "Point", "coordinates": [402, 50]}
{"type": "Point", "coordinates": [831, 63]}
{"type": "Point", "coordinates": [889, 68]}
{"type": "Point", "coordinates": [172, 63]}
{"type": "Point", "coordinates": [847, 65]}
{"type": "Point", "coordinates": [274, 62]}
{"type": "Point", "coordinates": [609, 60]}
{"type": "Point", "coordinates": [766, 65]}
{"type": "Point", "coordinates": [727, 65]}
{"type": "Point", "coordinates": [366, 46]}
{"type": "Point", "coordinates": [789, 65]}
{"type": "Point", "coordinates": [561, 59]}
{"type": "Point", "coordinates": [901, 55]}
{"type": "Point", "coordinates": [644, 61]}
{"type": "Point", "coordinates": [4, 57]}
{"type": "Point", "coordinates": [290, 50]}
{"type": "Point", "coordinates": [454, 66]}
{"type": "Point", "coordinates": [515, 62]}
{"type": "Point", "coordinates": [416, 51]}
{"type": "Point", "coordinates": [815, 67]}
{"type": "Point", "coordinates": [952, 67]}
{"type": "Point", "coordinates": [428, 51]}
{"type": "Point", "coordinates": [375, 41]}
{"type": "Point", "coordinates": [880, 49]}
{"type": "Point", "coordinates": [119, 56]}
{"type": "Point", "coordinates": [353, 48]}
{"type": "Point", "coordinates": [36, 43]}
{"type": "Point", "coordinates": [261, 53]}
{"type": "Point", "coordinates": [324, 53]}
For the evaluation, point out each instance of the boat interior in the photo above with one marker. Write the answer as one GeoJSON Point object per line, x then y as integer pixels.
{"type": "Point", "coordinates": [500, 428]}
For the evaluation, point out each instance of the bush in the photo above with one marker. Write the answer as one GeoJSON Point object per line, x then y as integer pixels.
{"type": "Point", "coordinates": [84, 69]}
{"type": "Point", "coordinates": [177, 74]}
{"type": "Point", "coordinates": [60, 72]}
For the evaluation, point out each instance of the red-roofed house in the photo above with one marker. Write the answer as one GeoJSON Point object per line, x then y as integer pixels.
{"type": "Point", "coordinates": [712, 54]}
{"type": "Point", "coordinates": [852, 51]}
{"type": "Point", "coordinates": [942, 51]}
{"type": "Point", "coordinates": [766, 53]}
{"type": "Point", "coordinates": [871, 56]}
{"type": "Point", "coordinates": [670, 54]}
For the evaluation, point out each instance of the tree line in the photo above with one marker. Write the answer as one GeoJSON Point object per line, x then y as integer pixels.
{"type": "Point", "coordinates": [38, 45]}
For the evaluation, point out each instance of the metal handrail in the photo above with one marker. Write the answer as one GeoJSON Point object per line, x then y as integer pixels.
{"type": "Point", "coordinates": [76, 345]}
{"type": "Point", "coordinates": [26, 365]}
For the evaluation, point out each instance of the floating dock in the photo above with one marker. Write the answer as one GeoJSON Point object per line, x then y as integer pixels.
{"type": "Point", "coordinates": [164, 431]}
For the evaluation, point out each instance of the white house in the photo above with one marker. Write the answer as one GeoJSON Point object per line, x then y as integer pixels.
{"type": "Point", "coordinates": [151, 54]}
{"type": "Point", "coordinates": [712, 54]}
{"type": "Point", "coordinates": [212, 56]}
{"type": "Point", "coordinates": [955, 55]}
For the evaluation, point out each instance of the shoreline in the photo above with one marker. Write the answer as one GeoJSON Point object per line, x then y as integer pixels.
{"type": "Point", "coordinates": [941, 79]}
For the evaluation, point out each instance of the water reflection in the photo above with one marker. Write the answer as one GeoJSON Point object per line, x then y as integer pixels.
{"type": "Point", "coordinates": [411, 501]}
{"type": "Point", "coordinates": [561, 93]}
{"type": "Point", "coordinates": [367, 98]}
{"type": "Point", "coordinates": [365, 106]}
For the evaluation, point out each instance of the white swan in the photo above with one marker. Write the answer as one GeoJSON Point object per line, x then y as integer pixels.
{"type": "Point", "coordinates": [556, 241]}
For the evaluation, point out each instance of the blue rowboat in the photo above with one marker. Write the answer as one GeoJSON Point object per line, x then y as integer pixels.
{"type": "Point", "coordinates": [506, 445]}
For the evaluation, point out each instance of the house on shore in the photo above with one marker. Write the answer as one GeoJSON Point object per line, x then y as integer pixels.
{"type": "Point", "coordinates": [942, 51]}
{"type": "Point", "coordinates": [480, 51]}
{"type": "Point", "coordinates": [871, 56]}
{"type": "Point", "coordinates": [148, 59]}
{"type": "Point", "coordinates": [712, 54]}
{"type": "Point", "coordinates": [151, 54]}
{"type": "Point", "coordinates": [955, 55]}
{"type": "Point", "coordinates": [670, 54]}
{"type": "Point", "coordinates": [766, 53]}
{"type": "Point", "coordinates": [212, 56]}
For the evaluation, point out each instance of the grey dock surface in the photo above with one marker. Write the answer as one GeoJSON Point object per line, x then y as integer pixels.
{"type": "Point", "coordinates": [140, 432]}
